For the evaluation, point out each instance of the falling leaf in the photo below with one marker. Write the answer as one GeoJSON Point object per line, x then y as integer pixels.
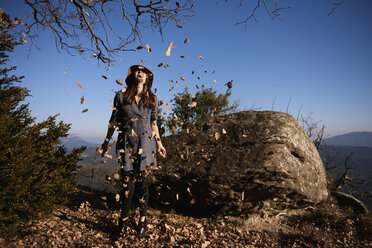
{"type": "Point", "coordinates": [214, 81]}
{"type": "Point", "coordinates": [168, 51]}
{"type": "Point", "coordinates": [217, 135]}
{"type": "Point", "coordinates": [141, 61]}
{"type": "Point", "coordinates": [84, 111]}
{"type": "Point", "coordinates": [229, 84]}
{"type": "Point", "coordinates": [120, 59]}
{"type": "Point", "coordinates": [193, 72]}
{"type": "Point", "coordinates": [148, 48]}
{"type": "Point", "coordinates": [94, 55]}
{"type": "Point", "coordinates": [183, 78]}
{"type": "Point", "coordinates": [108, 178]}
{"type": "Point", "coordinates": [65, 71]}
{"type": "Point", "coordinates": [121, 151]}
{"type": "Point", "coordinates": [24, 40]}
{"type": "Point", "coordinates": [104, 76]}
{"type": "Point", "coordinates": [81, 99]}
{"type": "Point", "coordinates": [123, 90]}
{"type": "Point", "coordinates": [179, 26]}
{"type": "Point", "coordinates": [139, 47]}
{"type": "Point", "coordinates": [243, 196]}
{"type": "Point", "coordinates": [193, 104]}
{"type": "Point", "coordinates": [177, 197]}
{"type": "Point", "coordinates": [178, 4]}
{"type": "Point", "coordinates": [117, 197]}
{"type": "Point", "coordinates": [182, 56]}
{"type": "Point", "coordinates": [160, 65]}
{"type": "Point", "coordinates": [133, 133]}
{"type": "Point", "coordinates": [126, 193]}
{"type": "Point", "coordinates": [68, 88]}
{"type": "Point", "coordinates": [171, 88]}
{"type": "Point", "coordinates": [200, 57]}
{"type": "Point", "coordinates": [112, 106]}
{"type": "Point", "coordinates": [165, 104]}
{"type": "Point", "coordinates": [223, 131]}
{"type": "Point", "coordinates": [197, 86]}
{"type": "Point", "coordinates": [24, 34]}
{"type": "Point", "coordinates": [170, 80]}
{"type": "Point", "coordinates": [193, 96]}
{"type": "Point", "coordinates": [186, 40]}
{"type": "Point", "coordinates": [104, 198]}
{"type": "Point", "coordinates": [140, 151]}
{"type": "Point", "coordinates": [116, 176]}
{"type": "Point", "coordinates": [78, 84]}
{"type": "Point", "coordinates": [169, 107]}
{"type": "Point", "coordinates": [118, 81]}
{"type": "Point", "coordinates": [108, 155]}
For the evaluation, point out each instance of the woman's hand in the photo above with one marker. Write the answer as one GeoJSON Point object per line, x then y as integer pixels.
{"type": "Point", "coordinates": [162, 151]}
{"type": "Point", "coordinates": [102, 148]}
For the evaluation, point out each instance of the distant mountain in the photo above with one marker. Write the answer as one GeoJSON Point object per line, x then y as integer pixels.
{"type": "Point", "coordinates": [73, 140]}
{"type": "Point", "coordinates": [351, 139]}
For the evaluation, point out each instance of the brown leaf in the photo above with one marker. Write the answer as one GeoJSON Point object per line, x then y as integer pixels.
{"type": "Point", "coordinates": [193, 104]}
{"type": "Point", "coordinates": [183, 78]}
{"type": "Point", "coordinates": [78, 84]}
{"type": "Point", "coordinates": [118, 81]}
{"type": "Point", "coordinates": [81, 99]}
{"type": "Point", "coordinates": [186, 40]}
{"type": "Point", "coordinates": [148, 48]}
{"type": "Point", "coordinates": [171, 88]}
{"type": "Point", "coordinates": [120, 59]}
{"type": "Point", "coordinates": [141, 61]}
{"type": "Point", "coordinates": [179, 26]}
{"type": "Point", "coordinates": [112, 106]}
{"type": "Point", "coordinates": [182, 56]}
{"type": "Point", "coordinates": [68, 88]}
{"type": "Point", "coordinates": [104, 76]}
{"type": "Point", "coordinates": [168, 51]}
{"type": "Point", "coordinates": [84, 111]}
{"type": "Point", "coordinates": [139, 47]}
{"type": "Point", "coordinates": [160, 65]}
{"type": "Point", "coordinates": [214, 81]}
{"type": "Point", "coordinates": [200, 57]}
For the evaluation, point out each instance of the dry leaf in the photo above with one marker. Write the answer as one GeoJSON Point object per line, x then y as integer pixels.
{"type": "Point", "coordinates": [200, 57]}
{"type": "Point", "coordinates": [120, 59]}
{"type": "Point", "coordinates": [177, 196]}
{"type": "Point", "coordinates": [148, 48]}
{"type": "Point", "coordinates": [183, 78]}
{"type": "Point", "coordinates": [170, 80]}
{"type": "Point", "coordinates": [123, 90]}
{"type": "Point", "coordinates": [112, 106]}
{"type": "Point", "coordinates": [117, 197]}
{"type": "Point", "coordinates": [141, 61]}
{"type": "Point", "coordinates": [179, 26]}
{"type": "Point", "coordinates": [65, 71]}
{"type": "Point", "coordinates": [160, 65]}
{"type": "Point", "coordinates": [182, 56]}
{"type": "Point", "coordinates": [84, 111]}
{"type": "Point", "coordinates": [118, 81]}
{"type": "Point", "coordinates": [78, 84]}
{"type": "Point", "coordinates": [214, 81]}
{"type": "Point", "coordinates": [169, 107]}
{"type": "Point", "coordinates": [139, 47]}
{"type": "Point", "coordinates": [171, 88]}
{"type": "Point", "coordinates": [193, 104]}
{"type": "Point", "coordinates": [140, 151]}
{"type": "Point", "coordinates": [121, 151]}
{"type": "Point", "coordinates": [186, 40]}
{"type": "Point", "coordinates": [81, 99]}
{"type": "Point", "coordinates": [104, 76]}
{"type": "Point", "coordinates": [68, 88]}
{"type": "Point", "coordinates": [217, 135]}
{"type": "Point", "coordinates": [108, 155]}
{"type": "Point", "coordinates": [168, 51]}
{"type": "Point", "coordinates": [223, 131]}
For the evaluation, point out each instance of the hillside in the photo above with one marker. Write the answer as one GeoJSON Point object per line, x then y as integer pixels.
{"type": "Point", "coordinates": [351, 139]}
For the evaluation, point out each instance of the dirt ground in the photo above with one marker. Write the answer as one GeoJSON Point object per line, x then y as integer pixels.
{"type": "Point", "coordinates": [91, 219]}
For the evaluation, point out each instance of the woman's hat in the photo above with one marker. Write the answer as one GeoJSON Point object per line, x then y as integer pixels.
{"type": "Point", "coordinates": [134, 68]}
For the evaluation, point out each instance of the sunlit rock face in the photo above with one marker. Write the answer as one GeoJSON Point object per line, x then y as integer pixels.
{"type": "Point", "coordinates": [241, 162]}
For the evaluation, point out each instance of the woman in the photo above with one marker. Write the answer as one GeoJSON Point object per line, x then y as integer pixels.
{"type": "Point", "coordinates": [135, 114]}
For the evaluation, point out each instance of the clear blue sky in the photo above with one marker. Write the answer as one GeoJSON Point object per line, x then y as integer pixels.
{"type": "Point", "coordinates": [322, 63]}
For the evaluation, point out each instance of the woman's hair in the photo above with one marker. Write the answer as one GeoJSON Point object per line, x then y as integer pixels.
{"type": "Point", "coordinates": [149, 98]}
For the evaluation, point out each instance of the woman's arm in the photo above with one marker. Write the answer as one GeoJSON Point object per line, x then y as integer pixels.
{"type": "Point", "coordinates": [155, 130]}
{"type": "Point", "coordinates": [110, 131]}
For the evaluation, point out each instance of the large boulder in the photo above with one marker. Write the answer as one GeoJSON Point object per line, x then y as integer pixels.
{"type": "Point", "coordinates": [239, 161]}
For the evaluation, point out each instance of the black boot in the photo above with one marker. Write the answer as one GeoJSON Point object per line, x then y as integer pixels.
{"type": "Point", "coordinates": [122, 228]}
{"type": "Point", "coordinates": [141, 232]}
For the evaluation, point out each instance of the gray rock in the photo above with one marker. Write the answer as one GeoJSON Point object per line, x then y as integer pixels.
{"type": "Point", "coordinates": [238, 162]}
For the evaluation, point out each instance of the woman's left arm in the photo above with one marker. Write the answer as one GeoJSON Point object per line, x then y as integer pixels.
{"type": "Point", "coordinates": [155, 130]}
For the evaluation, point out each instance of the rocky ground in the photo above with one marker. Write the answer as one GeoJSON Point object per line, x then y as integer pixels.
{"type": "Point", "coordinates": [90, 220]}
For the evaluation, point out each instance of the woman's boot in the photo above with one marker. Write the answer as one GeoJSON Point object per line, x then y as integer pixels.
{"type": "Point", "coordinates": [141, 232]}
{"type": "Point", "coordinates": [122, 226]}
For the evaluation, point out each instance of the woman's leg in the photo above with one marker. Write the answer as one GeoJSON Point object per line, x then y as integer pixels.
{"type": "Point", "coordinates": [144, 198]}
{"type": "Point", "coordinates": [126, 196]}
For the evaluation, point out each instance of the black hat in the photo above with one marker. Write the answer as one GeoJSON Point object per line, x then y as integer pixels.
{"type": "Point", "coordinates": [134, 68]}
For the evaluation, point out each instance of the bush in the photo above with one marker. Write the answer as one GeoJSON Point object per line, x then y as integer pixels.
{"type": "Point", "coordinates": [36, 175]}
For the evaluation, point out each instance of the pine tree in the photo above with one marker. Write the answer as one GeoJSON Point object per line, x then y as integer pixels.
{"type": "Point", "coordinates": [36, 175]}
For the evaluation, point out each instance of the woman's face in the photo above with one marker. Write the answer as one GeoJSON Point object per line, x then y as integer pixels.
{"type": "Point", "coordinates": [140, 76]}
